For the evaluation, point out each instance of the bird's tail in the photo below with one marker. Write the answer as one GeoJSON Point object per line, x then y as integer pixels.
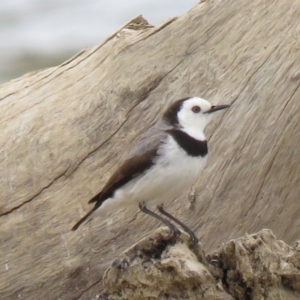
{"type": "Point", "coordinates": [87, 218]}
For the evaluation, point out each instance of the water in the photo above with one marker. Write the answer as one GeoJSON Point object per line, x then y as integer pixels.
{"type": "Point", "coordinates": [35, 34]}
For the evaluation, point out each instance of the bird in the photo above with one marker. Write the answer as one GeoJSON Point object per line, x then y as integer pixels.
{"type": "Point", "coordinates": [166, 161]}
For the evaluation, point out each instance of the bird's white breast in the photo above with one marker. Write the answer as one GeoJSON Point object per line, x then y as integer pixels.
{"type": "Point", "coordinates": [172, 174]}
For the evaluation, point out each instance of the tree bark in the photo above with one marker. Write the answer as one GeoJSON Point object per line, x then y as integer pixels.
{"type": "Point", "coordinates": [64, 129]}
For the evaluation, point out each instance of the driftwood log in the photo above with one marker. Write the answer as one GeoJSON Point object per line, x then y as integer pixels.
{"type": "Point", "coordinates": [63, 130]}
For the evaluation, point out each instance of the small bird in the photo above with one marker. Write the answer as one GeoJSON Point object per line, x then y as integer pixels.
{"type": "Point", "coordinates": [164, 163]}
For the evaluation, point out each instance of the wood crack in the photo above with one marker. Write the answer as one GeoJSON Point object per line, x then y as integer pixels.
{"type": "Point", "coordinates": [87, 289]}
{"type": "Point", "coordinates": [69, 173]}
{"type": "Point", "coordinates": [33, 197]}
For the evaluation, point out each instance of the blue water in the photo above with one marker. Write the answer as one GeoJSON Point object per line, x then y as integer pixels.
{"type": "Point", "coordinates": [36, 33]}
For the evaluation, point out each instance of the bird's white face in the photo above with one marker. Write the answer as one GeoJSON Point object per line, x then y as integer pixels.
{"type": "Point", "coordinates": [193, 116]}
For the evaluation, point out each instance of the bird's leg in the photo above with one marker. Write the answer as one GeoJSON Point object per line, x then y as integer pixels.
{"type": "Point", "coordinates": [174, 230]}
{"type": "Point", "coordinates": [184, 227]}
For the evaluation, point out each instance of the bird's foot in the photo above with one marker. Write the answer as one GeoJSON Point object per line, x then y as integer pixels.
{"type": "Point", "coordinates": [193, 238]}
{"type": "Point", "coordinates": [174, 234]}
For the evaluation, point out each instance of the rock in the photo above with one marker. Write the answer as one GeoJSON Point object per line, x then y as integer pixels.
{"type": "Point", "coordinates": [256, 267]}
{"type": "Point", "coordinates": [158, 268]}
{"type": "Point", "coordinates": [64, 129]}
{"type": "Point", "coordinates": [259, 266]}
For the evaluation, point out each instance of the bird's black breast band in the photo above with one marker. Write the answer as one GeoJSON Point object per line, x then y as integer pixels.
{"type": "Point", "coordinates": [191, 146]}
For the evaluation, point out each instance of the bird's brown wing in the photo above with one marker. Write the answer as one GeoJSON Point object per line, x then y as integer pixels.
{"type": "Point", "coordinates": [130, 168]}
{"type": "Point", "coordinates": [140, 158]}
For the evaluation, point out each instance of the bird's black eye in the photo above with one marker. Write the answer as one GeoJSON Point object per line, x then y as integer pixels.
{"type": "Point", "coordinates": [196, 109]}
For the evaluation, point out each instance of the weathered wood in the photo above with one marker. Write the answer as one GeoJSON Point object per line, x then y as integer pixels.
{"type": "Point", "coordinates": [62, 130]}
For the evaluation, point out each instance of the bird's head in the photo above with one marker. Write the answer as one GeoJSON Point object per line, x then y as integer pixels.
{"type": "Point", "coordinates": [191, 115]}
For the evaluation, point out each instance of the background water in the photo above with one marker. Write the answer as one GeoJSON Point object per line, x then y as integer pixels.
{"type": "Point", "coordinates": [35, 34]}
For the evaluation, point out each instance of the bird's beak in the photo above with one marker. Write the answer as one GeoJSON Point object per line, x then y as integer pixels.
{"type": "Point", "coordinates": [216, 108]}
